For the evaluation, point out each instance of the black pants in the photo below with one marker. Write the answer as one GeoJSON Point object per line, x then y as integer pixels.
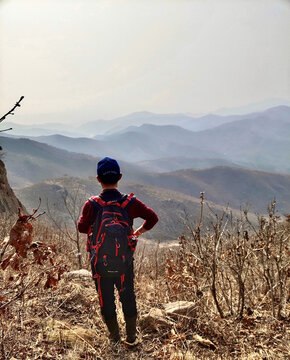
{"type": "Point", "coordinates": [125, 285]}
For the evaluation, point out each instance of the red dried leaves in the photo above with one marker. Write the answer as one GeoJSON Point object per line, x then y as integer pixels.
{"type": "Point", "coordinates": [6, 262]}
{"type": "Point", "coordinates": [51, 281]}
{"type": "Point", "coordinates": [42, 252]}
{"type": "Point", "coordinates": [36, 253]}
{"type": "Point", "coordinates": [21, 236]}
{"type": "Point", "coordinates": [13, 260]}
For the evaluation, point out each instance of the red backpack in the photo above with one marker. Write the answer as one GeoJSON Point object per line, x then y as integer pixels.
{"type": "Point", "coordinates": [111, 243]}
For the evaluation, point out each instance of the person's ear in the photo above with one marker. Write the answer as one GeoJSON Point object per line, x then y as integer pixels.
{"type": "Point", "coordinates": [99, 180]}
{"type": "Point", "coordinates": [120, 177]}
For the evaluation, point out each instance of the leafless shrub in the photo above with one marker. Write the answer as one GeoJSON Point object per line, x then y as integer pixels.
{"type": "Point", "coordinates": [73, 202]}
{"type": "Point", "coordinates": [270, 250]}
{"type": "Point", "coordinates": [242, 265]}
{"type": "Point", "coordinates": [164, 273]}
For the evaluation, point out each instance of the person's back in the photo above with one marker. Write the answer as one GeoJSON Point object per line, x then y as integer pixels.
{"type": "Point", "coordinates": [97, 226]}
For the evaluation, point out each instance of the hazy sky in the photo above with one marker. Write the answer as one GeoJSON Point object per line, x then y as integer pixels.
{"type": "Point", "coordinates": [97, 59]}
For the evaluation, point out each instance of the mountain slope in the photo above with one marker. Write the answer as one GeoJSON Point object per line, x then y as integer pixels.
{"type": "Point", "coordinates": [41, 129]}
{"type": "Point", "coordinates": [98, 127]}
{"type": "Point", "coordinates": [181, 162]}
{"type": "Point", "coordinates": [28, 162]}
{"type": "Point", "coordinates": [147, 142]}
{"type": "Point", "coordinates": [171, 206]}
{"type": "Point", "coordinates": [223, 185]}
{"type": "Point", "coordinates": [260, 141]}
{"type": "Point", "coordinates": [188, 122]}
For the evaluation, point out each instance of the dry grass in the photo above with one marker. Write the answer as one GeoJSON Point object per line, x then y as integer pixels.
{"type": "Point", "coordinates": [65, 322]}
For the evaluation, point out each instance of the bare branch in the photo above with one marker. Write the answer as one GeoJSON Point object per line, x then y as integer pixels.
{"type": "Point", "coordinates": [10, 112]}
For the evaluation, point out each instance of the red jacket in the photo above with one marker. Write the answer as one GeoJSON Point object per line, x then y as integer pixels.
{"type": "Point", "coordinates": [135, 209]}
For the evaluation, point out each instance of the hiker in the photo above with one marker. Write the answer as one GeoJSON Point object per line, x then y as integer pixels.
{"type": "Point", "coordinates": [108, 221]}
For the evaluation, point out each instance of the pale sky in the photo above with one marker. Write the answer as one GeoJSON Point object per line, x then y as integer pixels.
{"type": "Point", "coordinates": [93, 59]}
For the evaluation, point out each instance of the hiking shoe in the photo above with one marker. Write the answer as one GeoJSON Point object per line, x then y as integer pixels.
{"type": "Point", "coordinates": [113, 328]}
{"type": "Point", "coordinates": [131, 344]}
{"type": "Point", "coordinates": [131, 329]}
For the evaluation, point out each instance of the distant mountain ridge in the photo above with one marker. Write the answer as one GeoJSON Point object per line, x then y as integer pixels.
{"type": "Point", "coordinates": [40, 129]}
{"type": "Point", "coordinates": [146, 142]}
{"type": "Point", "coordinates": [253, 107]}
{"type": "Point", "coordinates": [162, 165]}
{"type": "Point", "coordinates": [101, 127]}
{"type": "Point", "coordinates": [29, 162]}
{"type": "Point", "coordinates": [226, 185]}
{"type": "Point", "coordinates": [188, 122]}
{"type": "Point", "coordinates": [222, 161]}
{"type": "Point", "coordinates": [260, 141]}
{"type": "Point", "coordinates": [166, 159]}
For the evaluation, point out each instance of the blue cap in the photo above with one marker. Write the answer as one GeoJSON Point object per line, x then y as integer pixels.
{"type": "Point", "coordinates": [108, 170]}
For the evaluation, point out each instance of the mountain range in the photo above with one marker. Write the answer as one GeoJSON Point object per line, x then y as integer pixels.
{"type": "Point", "coordinates": [256, 141]}
{"type": "Point", "coordinates": [29, 162]}
{"type": "Point", "coordinates": [101, 127]}
{"type": "Point", "coordinates": [238, 161]}
{"type": "Point", "coordinates": [226, 185]}
{"type": "Point", "coordinates": [174, 196]}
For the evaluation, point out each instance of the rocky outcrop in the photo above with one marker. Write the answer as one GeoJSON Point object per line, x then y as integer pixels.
{"type": "Point", "coordinates": [183, 308]}
{"type": "Point", "coordinates": [9, 203]}
{"type": "Point", "coordinates": [82, 275]}
{"type": "Point", "coordinates": [155, 320]}
{"type": "Point", "coordinates": [162, 318]}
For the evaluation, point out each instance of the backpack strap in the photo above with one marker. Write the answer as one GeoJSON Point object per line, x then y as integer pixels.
{"type": "Point", "coordinates": [97, 200]}
{"type": "Point", "coordinates": [126, 202]}
{"type": "Point", "coordinates": [97, 205]}
{"type": "Point", "coordinates": [112, 202]}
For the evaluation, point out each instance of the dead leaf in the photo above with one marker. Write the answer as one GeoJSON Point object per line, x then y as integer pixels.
{"type": "Point", "coordinates": [204, 342]}
{"type": "Point", "coordinates": [15, 262]}
{"type": "Point", "coordinates": [6, 262]}
{"type": "Point", "coordinates": [50, 281]}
